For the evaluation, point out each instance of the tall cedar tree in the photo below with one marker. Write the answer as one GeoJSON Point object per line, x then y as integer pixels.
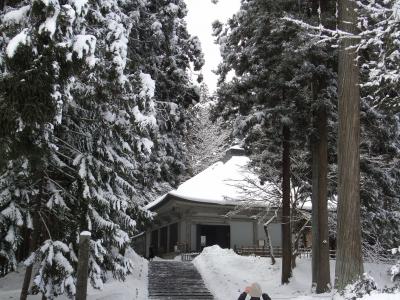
{"type": "Point", "coordinates": [349, 266]}
{"type": "Point", "coordinates": [379, 145]}
{"type": "Point", "coordinates": [269, 96]}
{"type": "Point", "coordinates": [319, 154]}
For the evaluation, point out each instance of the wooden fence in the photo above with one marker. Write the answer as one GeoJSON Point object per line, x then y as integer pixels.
{"type": "Point", "coordinates": [259, 251]}
{"type": "Point", "coordinates": [189, 256]}
{"type": "Point", "coordinates": [277, 251]}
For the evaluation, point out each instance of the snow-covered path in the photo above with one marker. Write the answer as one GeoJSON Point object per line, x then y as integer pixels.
{"type": "Point", "coordinates": [176, 280]}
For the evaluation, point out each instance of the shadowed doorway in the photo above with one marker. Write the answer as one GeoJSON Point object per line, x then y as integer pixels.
{"type": "Point", "coordinates": [208, 235]}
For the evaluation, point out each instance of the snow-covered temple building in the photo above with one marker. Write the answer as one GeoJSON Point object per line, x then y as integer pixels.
{"type": "Point", "coordinates": [209, 209]}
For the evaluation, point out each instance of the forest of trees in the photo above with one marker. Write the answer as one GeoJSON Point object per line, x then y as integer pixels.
{"type": "Point", "coordinates": [99, 115]}
{"type": "Point", "coordinates": [93, 118]}
{"type": "Point", "coordinates": [314, 100]}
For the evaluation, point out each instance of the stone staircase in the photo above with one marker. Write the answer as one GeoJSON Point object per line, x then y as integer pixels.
{"type": "Point", "coordinates": [176, 280]}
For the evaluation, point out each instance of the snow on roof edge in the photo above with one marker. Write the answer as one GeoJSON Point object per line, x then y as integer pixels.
{"type": "Point", "coordinates": [175, 193]}
{"type": "Point", "coordinates": [157, 201]}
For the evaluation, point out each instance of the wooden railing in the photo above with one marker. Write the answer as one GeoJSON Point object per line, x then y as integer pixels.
{"type": "Point", "coordinates": [259, 251]}
{"type": "Point", "coordinates": [189, 256]}
{"type": "Point", "coordinates": [277, 251]}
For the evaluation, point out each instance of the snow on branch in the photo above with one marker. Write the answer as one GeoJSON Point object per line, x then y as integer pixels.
{"type": "Point", "coordinates": [333, 34]}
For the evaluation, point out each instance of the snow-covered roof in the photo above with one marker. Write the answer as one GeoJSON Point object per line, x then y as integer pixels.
{"type": "Point", "coordinates": [223, 182]}
{"type": "Point", "coordinates": [218, 184]}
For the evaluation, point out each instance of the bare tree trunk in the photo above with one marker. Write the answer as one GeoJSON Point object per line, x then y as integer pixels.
{"type": "Point", "coordinates": [34, 241]}
{"type": "Point", "coordinates": [324, 277]}
{"type": "Point", "coordinates": [271, 249]}
{"type": "Point", "coordinates": [320, 233]}
{"type": "Point", "coordinates": [314, 214]}
{"type": "Point", "coordinates": [286, 230]}
{"type": "Point", "coordinates": [319, 151]}
{"type": "Point", "coordinates": [349, 265]}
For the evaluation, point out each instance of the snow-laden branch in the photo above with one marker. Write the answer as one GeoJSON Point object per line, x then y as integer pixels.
{"type": "Point", "coordinates": [333, 33]}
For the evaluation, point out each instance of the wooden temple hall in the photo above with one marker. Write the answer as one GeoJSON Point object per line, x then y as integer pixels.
{"type": "Point", "coordinates": [197, 213]}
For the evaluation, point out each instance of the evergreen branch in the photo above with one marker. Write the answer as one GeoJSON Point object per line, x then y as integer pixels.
{"type": "Point", "coordinates": [45, 225]}
{"type": "Point", "coordinates": [77, 132]}
{"type": "Point", "coordinates": [62, 189]}
{"type": "Point", "coordinates": [63, 172]}
{"type": "Point", "coordinates": [67, 144]}
{"type": "Point", "coordinates": [334, 33]}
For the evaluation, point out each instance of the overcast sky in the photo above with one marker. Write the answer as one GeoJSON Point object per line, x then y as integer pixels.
{"type": "Point", "coordinates": [201, 14]}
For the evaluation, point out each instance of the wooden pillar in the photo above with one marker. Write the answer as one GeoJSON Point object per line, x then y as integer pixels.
{"type": "Point", "coordinates": [286, 220]}
{"type": "Point", "coordinates": [158, 238]}
{"type": "Point", "coordinates": [168, 238]}
{"type": "Point", "coordinates": [83, 266]}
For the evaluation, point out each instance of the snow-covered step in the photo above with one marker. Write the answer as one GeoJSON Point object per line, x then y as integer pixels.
{"type": "Point", "coordinates": [176, 280]}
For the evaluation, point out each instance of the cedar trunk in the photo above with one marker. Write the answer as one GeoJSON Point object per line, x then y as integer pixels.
{"type": "Point", "coordinates": [320, 233]}
{"type": "Point", "coordinates": [33, 243]}
{"type": "Point", "coordinates": [319, 153]}
{"type": "Point", "coordinates": [314, 214]}
{"type": "Point", "coordinates": [286, 230]}
{"type": "Point", "coordinates": [349, 266]}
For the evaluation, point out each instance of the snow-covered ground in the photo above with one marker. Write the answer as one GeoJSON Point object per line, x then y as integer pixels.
{"type": "Point", "coordinates": [135, 287]}
{"type": "Point", "coordinates": [227, 274]}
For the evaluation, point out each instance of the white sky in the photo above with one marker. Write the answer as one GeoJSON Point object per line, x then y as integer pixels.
{"type": "Point", "coordinates": [201, 14]}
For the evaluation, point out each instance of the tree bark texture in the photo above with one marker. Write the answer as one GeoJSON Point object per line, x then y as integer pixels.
{"type": "Point", "coordinates": [33, 243]}
{"type": "Point", "coordinates": [320, 233]}
{"type": "Point", "coordinates": [286, 230]}
{"type": "Point", "coordinates": [314, 215]}
{"type": "Point", "coordinates": [35, 237]}
{"type": "Point", "coordinates": [349, 265]}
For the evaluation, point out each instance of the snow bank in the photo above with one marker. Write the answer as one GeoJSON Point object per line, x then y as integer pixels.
{"type": "Point", "coordinates": [383, 296]}
{"type": "Point", "coordinates": [226, 274]}
{"type": "Point", "coordinates": [135, 286]}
